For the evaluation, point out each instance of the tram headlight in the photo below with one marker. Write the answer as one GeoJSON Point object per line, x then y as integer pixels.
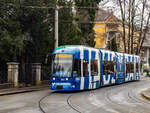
{"type": "Point", "coordinates": [67, 78]}
{"type": "Point", "coordinates": [53, 78]}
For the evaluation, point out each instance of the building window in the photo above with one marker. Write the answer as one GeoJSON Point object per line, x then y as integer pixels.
{"type": "Point", "coordinates": [108, 67]}
{"type": "Point", "coordinates": [94, 68]}
{"type": "Point", "coordinates": [85, 68]}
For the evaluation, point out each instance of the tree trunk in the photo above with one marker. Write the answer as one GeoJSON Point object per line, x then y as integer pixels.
{"type": "Point", "coordinates": [123, 23]}
{"type": "Point", "coordinates": [132, 26]}
{"type": "Point", "coordinates": [141, 27]}
{"type": "Point", "coordinates": [129, 19]}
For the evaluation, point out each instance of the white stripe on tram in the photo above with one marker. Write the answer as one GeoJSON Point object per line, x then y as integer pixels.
{"type": "Point", "coordinates": [82, 83]}
{"type": "Point", "coordinates": [90, 78]}
{"type": "Point", "coordinates": [94, 85]}
{"type": "Point", "coordinates": [82, 79]}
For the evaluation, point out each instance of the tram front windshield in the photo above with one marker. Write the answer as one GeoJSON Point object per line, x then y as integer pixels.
{"type": "Point", "coordinates": [62, 65]}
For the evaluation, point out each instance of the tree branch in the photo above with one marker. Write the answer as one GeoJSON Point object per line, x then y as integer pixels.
{"type": "Point", "coordinates": [141, 27]}
{"type": "Point", "coordinates": [145, 31]}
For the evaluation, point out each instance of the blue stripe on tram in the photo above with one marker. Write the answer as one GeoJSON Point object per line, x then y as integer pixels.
{"type": "Point", "coordinates": [93, 54]}
{"type": "Point", "coordinates": [86, 54]}
{"type": "Point", "coordinates": [92, 82]}
{"type": "Point", "coordinates": [106, 56]}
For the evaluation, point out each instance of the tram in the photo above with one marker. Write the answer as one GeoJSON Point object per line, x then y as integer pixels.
{"type": "Point", "coordinates": [83, 68]}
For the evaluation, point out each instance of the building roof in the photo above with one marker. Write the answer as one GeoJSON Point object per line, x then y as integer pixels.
{"type": "Point", "coordinates": [102, 15]}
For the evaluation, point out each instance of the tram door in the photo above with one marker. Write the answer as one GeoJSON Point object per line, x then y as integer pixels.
{"type": "Point", "coordinates": [94, 70]}
{"type": "Point", "coordinates": [120, 69]}
{"type": "Point", "coordinates": [91, 70]}
{"type": "Point", "coordinates": [136, 68]}
{"type": "Point", "coordinates": [86, 64]}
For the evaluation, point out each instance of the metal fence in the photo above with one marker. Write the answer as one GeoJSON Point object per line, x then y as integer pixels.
{"type": "Point", "coordinates": [3, 74]}
{"type": "Point", "coordinates": [45, 72]}
{"type": "Point", "coordinates": [27, 74]}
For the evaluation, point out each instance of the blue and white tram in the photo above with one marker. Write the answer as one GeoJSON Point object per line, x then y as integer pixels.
{"type": "Point", "coordinates": [83, 68]}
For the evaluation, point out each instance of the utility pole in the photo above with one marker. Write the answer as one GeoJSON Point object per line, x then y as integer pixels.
{"type": "Point", "coordinates": [56, 26]}
{"type": "Point", "coordinates": [56, 36]}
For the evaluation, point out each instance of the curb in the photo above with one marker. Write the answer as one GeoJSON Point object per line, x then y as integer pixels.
{"type": "Point", "coordinates": [144, 94]}
{"type": "Point", "coordinates": [23, 90]}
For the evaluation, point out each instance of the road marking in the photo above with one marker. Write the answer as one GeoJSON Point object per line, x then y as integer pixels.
{"type": "Point", "coordinates": [112, 110]}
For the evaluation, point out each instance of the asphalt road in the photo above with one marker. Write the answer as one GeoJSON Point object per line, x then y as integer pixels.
{"type": "Point", "coordinates": [124, 98]}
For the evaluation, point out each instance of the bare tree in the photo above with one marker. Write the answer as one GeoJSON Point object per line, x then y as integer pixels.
{"type": "Point", "coordinates": [144, 34]}
{"type": "Point", "coordinates": [129, 24]}
{"type": "Point", "coordinates": [123, 22]}
{"type": "Point", "coordinates": [132, 24]}
{"type": "Point", "coordinates": [135, 16]}
{"type": "Point", "coordinates": [141, 26]}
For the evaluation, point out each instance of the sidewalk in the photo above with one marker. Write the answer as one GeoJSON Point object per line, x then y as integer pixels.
{"type": "Point", "coordinates": [146, 94]}
{"type": "Point", "coordinates": [10, 91]}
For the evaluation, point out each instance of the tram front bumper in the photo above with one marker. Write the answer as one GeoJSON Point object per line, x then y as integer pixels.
{"type": "Point", "coordinates": [63, 86]}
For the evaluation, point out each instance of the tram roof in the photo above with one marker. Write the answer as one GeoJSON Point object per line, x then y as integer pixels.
{"type": "Point", "coordinates": [76, 48]}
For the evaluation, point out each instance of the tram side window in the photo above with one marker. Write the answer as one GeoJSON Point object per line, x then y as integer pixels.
{"type": "Point", "coordinates": [137, 67]}
{"type": "Point", "coordinates": [108, 67]}
{"type": "Point", "coordinates": [129, 68]}
{"type": "Point", "coordinates": [112, 66]}
{"type": "Point", "coordinates": [104, 67]}
{"type": "Point", "coordinates": [132, 68]}
{"type": "Point", "coordinates": [77, 68]}
{"type": "Point", "coordinates": [94, 67]}
{"type": "Point", "coordinates": [85, 68]}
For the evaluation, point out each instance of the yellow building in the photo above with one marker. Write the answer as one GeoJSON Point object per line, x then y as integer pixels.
{"type": "Point", "coordinates": [100, 35]}
{"type": "Point", "coordinates": [107, 26]}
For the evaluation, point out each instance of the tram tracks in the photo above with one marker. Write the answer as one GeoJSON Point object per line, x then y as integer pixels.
{"type": "Point", "coordinates": [136, 97]}
{"type": "Point", "coordinates": [130, 101]}
{"type": "Point", "coordinates": [69, 103]}
{"type": "Point", "coordinates": [129, 94]}
{"type": "Point", "coordinates": [68, 100]}
{"type": "Point", "coordinates": [40, 102]}
{"type": "Point", "coordinates": [114, 105]}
